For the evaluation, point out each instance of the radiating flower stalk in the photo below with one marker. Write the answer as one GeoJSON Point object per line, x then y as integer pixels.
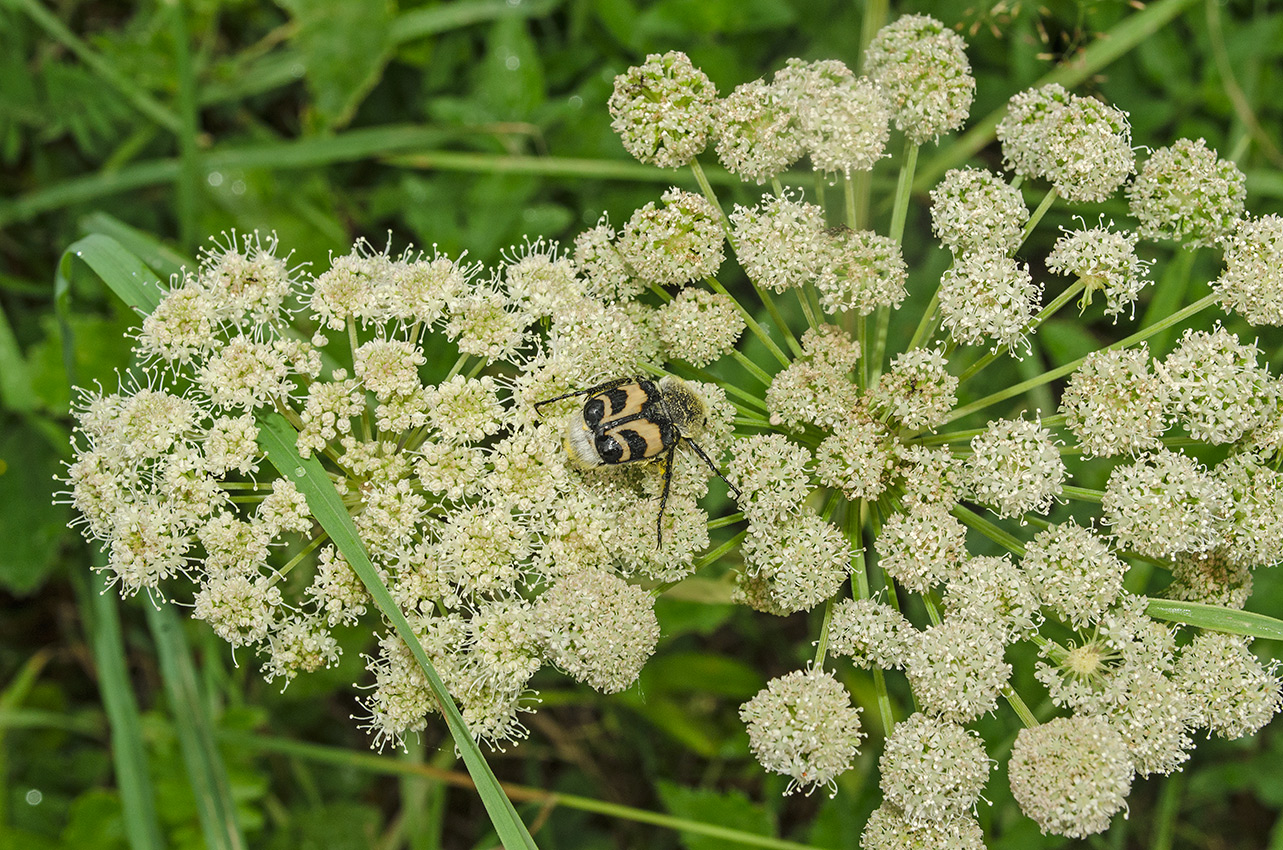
{"type": "Point", "coordinates": [414, 378]}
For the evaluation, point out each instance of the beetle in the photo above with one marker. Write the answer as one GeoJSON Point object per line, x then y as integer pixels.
{"type": "Point", "coordinates": [633, 419]}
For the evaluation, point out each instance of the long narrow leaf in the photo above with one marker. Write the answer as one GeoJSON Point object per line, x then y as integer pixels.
{"type": "Point", "coordinates": [348, 760]}
{"type": "Point", "coordinates": [196, 737]}
{"type": "Point", "coordinates": [156, 254]}
{"type": "Point", "coordinates": [1216, 618]}
{"type": "Point", "coordinates": [279, 440]}
{"type": "Point", "coordinates": [128, 758]}
{"type": "Point", "coordinates": [126, 275]}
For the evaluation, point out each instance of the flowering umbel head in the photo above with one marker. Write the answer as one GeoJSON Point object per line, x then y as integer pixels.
{"type": "Point", "coordinates": [507, 458]}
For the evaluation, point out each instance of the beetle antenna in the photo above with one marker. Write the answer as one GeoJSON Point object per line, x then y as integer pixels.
{"type": "Point", "coordinates": [694, 445]}
{"type": "Point", "coordinates": [609, 385]}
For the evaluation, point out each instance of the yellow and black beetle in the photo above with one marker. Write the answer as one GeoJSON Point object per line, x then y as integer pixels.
{"type": "Point", "coordinates": [634, 419]}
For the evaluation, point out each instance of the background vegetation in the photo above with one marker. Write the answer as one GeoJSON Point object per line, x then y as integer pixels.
{"type": "Point", "coordinates": [467, 124]}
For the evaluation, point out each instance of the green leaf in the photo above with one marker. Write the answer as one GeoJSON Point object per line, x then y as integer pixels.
{"type": "Point", "coordinates": [31, 525]}
{"type": "Point", "coordinates": [94, 822]}
{"type": "Point", "coordinates": [129, 759]}
{"type": "Point", "coordinates": [206, 772]}
{"type": "Point", "coordinates": [345, 46]}
{"type": "Point", "coordinates": [1216, 618]}
{"type": "Point", "coordinates": [16, 393]}
{"type": "Point", "coordinates": [142, 244]}
{"type": "Point", "coordinates": [122, 271]}
{"type": "Point", "coordinates": [279, 441]}
{"type": "Point", "coordinates": [713, 807]}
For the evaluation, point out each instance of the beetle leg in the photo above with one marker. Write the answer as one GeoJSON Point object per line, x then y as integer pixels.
{"type": "Point", "coordinates": [663, 499]}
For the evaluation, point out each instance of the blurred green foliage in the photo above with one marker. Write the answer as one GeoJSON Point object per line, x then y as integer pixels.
{"type": "Point", "coordinates": [468, 125]}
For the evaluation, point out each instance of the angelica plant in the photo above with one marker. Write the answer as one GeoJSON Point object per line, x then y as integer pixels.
{"type": "Point", "coordinates": [858, 488]}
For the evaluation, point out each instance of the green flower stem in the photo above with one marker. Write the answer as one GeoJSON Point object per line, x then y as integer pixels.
{"type": "Point", "coordinates": [971, 519]}
{"type": "Point", "coordinates": [1060, 372]}
{"type": "Point", "coordinates": [875, 15]}
{"type": "Point", "coordinates": [813, 297]}
{"type": "Point", "coordinates": [848, 202]}
{"type": "Point", "coordinates": [903, 191]}
{"type": "Point", "coordinates": [351, 760]}
{"type": "Point", "coordinates": [1046, 313]}
{"type": "Point", "coordinates": [804, 300]}
{"type": "Point", "coordinates": [862, 370]}
{"type": "Point", "coordinates": [1084, 494]}
{"type": "Point", "coordinates": [749, 366]}
{"type": "Point", "coordinates": [771, 309]}
{"type": "Point", "coordinates": [311, 547]}
{"type": "Point", "coordinates": [822, 645]}
{"type": "Point", "coordinates": [753, 422]}
{"type": "Point", "coordinates": [1170, 291]}
{"type": "Point", "coordinates": [1047, 201]}
{"type": "Point", "coordinates": [948, 437]}
{"type": "Point", "coordinates": [758, 330]}
{"type": "Point", "coordinates": [247, 500]}
{"type": "Point", "coordinates": [933, 609]}
{"type": "Point", "coordinates": [1169, 799]}
{"type": "Point", "coordinates": [707, 188]}
{"type": "Point", "coordinates": [457, 367]}
{"type": "Point", "coordinates": [926, 324]}
{"type": "Point", "coordinates": [777, 187]}
{"type": "Point", "coordinates": [860, 586]}
{"type": "Point", "coordinates": [660, 292]}
{"type": "Point", "coordinates": [1018, 705]}
{"type": "Point", "coordinates": [354, 343]}
{"type": "Point", "coordinates": [710, 557]}
{"type": "Point", "coordinates": [475, 369]}
{"type": "Point", "coordinates": [723, 521]}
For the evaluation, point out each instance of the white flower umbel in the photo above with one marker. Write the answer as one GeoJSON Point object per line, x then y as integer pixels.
{"type": "Point", "coordinates": [532, 451]}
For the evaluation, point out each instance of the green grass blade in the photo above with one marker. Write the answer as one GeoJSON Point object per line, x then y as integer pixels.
{"type": "Point", "coordinates": [348, 760]}
{"type": "Point", "coordinates": [433, 20]}
{"type": "Point", "coordinates": [279, 440]}
{"type": "Point", "coordinates": [128, 758]}
{"type": "Point", "coordinates": [196, 735]}
{"type": "Point", "coordinates": [353, 146]}
{"type": "Point", "coordinates": [154, 253]}
{"type": "Point", "coordinates": [1216, 618]}
{"type": "Point", "coordinates": [189, 168]}
{"type": "Point", "coordinates": [122, 271]}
